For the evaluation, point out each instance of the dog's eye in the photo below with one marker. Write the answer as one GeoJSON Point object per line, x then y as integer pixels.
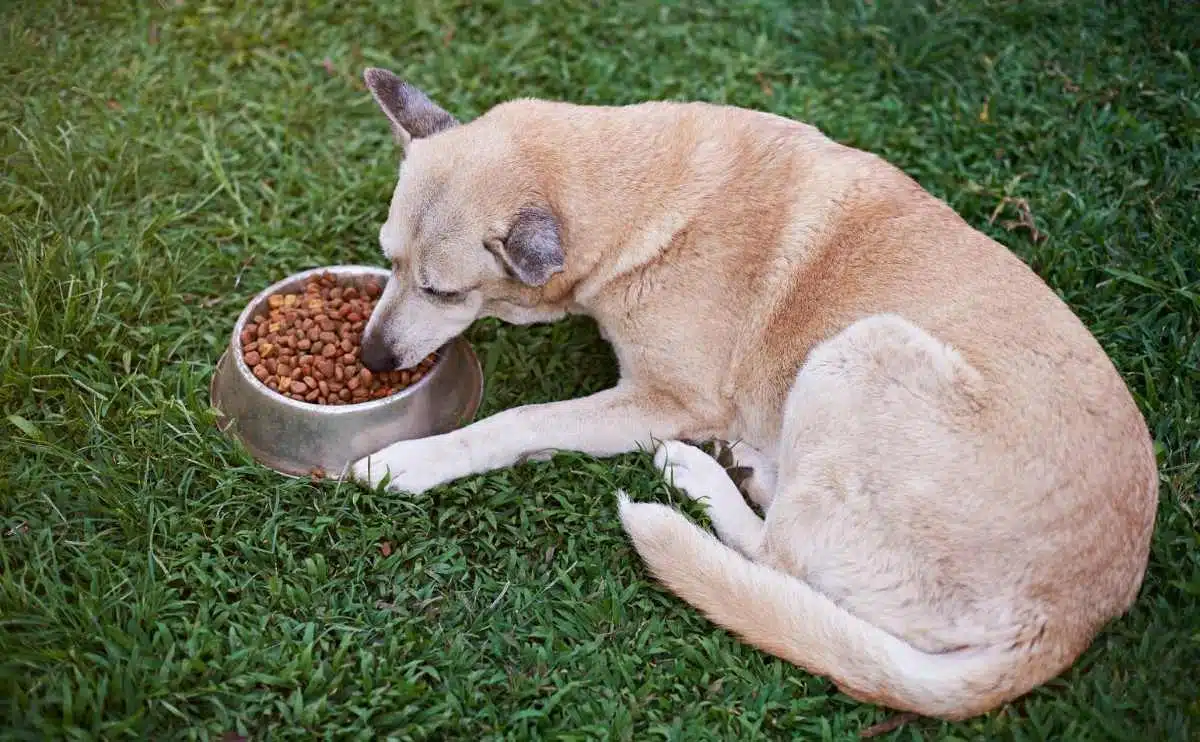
{"type": "Point", "coordinates": [442, 295]}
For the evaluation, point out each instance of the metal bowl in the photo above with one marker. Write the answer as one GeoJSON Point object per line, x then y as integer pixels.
{"type": "Point", "coordinates": [295, 438]}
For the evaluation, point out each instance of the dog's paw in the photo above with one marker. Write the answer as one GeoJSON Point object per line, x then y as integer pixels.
{"type": "Point", "coordinates": [367, 471]}
{"type": "Point", "coordinates": [409, 466]}
{"type": "Point", "coordinates": [691, 471]}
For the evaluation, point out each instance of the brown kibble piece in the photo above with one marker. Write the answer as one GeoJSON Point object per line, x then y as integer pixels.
{"type": "Point", "coordinates": [298, 387]}
{"type": "Point", "coordinates": [252, 359]}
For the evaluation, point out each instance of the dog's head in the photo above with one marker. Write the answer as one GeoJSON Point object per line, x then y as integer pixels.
{"type": "Point", "coordinates": [469, 232]}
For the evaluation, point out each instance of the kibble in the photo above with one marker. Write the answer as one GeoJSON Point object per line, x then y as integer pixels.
{"type": "Point", "coordinates": [307, 346]}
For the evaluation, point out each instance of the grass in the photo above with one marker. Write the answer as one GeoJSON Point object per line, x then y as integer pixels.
{"type": "Point", "coordinates": [162, 162]}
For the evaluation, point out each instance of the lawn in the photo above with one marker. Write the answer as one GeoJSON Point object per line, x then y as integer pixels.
{"type": "Point", "coordinates": [161, 165]}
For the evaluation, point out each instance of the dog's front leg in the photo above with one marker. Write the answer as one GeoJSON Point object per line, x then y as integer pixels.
{"type": "Point", "coordinates": [611, 422]}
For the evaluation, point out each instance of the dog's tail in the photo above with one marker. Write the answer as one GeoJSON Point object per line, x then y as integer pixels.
{"type": "Point", "coordinates": [782, 615]}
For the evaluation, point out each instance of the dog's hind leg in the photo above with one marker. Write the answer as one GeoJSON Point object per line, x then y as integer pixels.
{"type": "Point", "coordinates": [701, 478]}
{"type": "Point", "coordinates": [875, 566]}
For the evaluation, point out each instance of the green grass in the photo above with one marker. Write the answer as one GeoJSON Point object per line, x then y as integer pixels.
{"type": "Point", "coordinates": [161, 165]}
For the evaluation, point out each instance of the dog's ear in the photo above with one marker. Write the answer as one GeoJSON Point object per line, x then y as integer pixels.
{"type": "Point", "coordinates": [412, 113]}
{"type": "Point", "coordinates": [533, 249]}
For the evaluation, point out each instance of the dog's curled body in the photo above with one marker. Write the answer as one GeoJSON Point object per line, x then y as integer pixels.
{"type": "Point", "coordinates": [958, 487]}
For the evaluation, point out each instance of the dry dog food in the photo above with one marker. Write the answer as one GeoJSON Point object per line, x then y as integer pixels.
{"type": "Point", "coordinates": [306, 346]}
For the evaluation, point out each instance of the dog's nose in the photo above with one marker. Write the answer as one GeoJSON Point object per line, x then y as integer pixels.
{"type": "Point", "coordinates": [376, 356]}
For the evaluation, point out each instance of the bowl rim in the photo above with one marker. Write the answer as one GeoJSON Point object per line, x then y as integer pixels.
{"type": "Point", "coordinates": [235, 345]}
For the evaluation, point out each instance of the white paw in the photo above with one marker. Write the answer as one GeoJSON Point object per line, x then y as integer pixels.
{"type": "Point", "coordinates": [759, 486]}
{"type": "Point", "coordinates": [690, 470]}
{"type": "Point", "coordinates": [412, 466]}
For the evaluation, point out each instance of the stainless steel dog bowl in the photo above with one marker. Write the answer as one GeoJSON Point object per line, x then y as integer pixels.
{"type": "Point", "coordinates": [294, 438]}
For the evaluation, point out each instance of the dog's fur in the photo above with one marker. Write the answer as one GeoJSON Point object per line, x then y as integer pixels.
{"type": "Point", "coordinates": [958, 486]}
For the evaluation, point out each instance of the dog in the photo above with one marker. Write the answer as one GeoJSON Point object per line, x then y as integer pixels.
{"type": "Point", "coordinates": [958, 488]}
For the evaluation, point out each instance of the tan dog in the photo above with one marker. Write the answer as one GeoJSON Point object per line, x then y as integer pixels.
{"type": "Point", "coordinates": [959, 488]}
